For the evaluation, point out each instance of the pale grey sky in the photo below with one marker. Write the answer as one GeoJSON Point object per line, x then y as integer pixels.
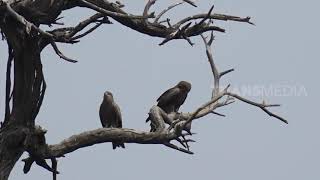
{"type": "Point", "coordinates": [280, 52]}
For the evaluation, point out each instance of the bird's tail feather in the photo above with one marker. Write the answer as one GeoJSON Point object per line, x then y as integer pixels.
{"type": "Point", "coordinates": [117, 144]}
{"type": "Point", "coordinates": [148, 119]}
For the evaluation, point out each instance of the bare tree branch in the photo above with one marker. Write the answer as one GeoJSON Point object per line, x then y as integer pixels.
{"type": "Point", "coordinates": [215, 16]}
{"type": "Point", "coordinates": [147, 8]}
{"type": "Point", "coordinates": [29, 26]}
{"type": "Point", "coordinates": [190, 2]}
{"type": "Point", "coordinates": [110, 13]}
{"type": "Point", "coordinates": [262, 106]}
{"type": "Point", "coordinates": [166, 10]}
{"type": "Point", "coordinates": [142, 25]}
{"type": "Point", "coordinates": [103, 135]}
{"type": "Point", "coordinates": [214, 69]}
{"type": "Point", "coordinates": [84, 24]}
{"type": "Point", "coordinates": [60, 54]}
{"type": "Point", "coordinates": [87, 32]}
{"type": "Point", "coordinates": [68, 35]}
{"type": "Point", "coordinates": [226, 72]}
{"type": "Point", "coordinates": [209, 107]}
{"type": "Point", "coordinates": [178, 148]}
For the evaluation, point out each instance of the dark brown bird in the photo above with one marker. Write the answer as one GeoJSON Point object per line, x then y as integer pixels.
{"type": "Point", "coordinates": [171, 100]}
{"type": "Point", "coordinates": [110, 115]}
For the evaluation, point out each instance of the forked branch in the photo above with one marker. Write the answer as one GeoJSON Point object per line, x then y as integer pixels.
{"type": "Point", "coordinates": [217, 94]}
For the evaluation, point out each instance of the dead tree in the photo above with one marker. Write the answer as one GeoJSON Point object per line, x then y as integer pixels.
{"type": "Point", "coordinates": [20, 22]}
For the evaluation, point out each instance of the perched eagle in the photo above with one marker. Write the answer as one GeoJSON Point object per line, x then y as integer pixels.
{"type": "Point", "coordinates": [110, 115]}
{"type": "Point", "coordinates": [171, 100]}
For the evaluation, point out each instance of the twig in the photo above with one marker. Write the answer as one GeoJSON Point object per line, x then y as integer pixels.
{"type": "Point", "coordinates": [85, 23]}
{"type": "Point", "coordinates": [147, 8]}
{"type": "Point", "coordinates": [110, 13]}
{"type": "Point", "coordinates": [201, 23]}
{"type": "Point", "coordinates": [206, 105]}
{"type": "Point", "coordinates": [178, 148]}
{"type": "Point", "coordinates": [87, 32]}
{"type": "Point", "coordinates": [166, 10]}
{"type": "Point", "coordinates": [190, 2]}
{"type": "Point", "coordinates": [226, 72]}
{"type": "Point", "coordinates": [177, 33]}
{"type": "Point", "coordinates": [219, 114]}
{"type": "Point", "coordinates": [214, 69]}
{"type": "Point", "coordinates": [60, 54]}
{"type": "Point", "coordinates": [54, 164]}
{"type": "Point", "coordinates": [262, 106]}
{"type": "Point", "coordinates": [216, 16]}
{"type": "Point", "coordinates": [67, 34]}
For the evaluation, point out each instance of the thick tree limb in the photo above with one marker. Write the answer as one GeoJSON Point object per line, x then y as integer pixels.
{"type": "Point", "coordinates": [104, 135]}
{"type": "Point", "coordinates": [39, 151]}
{"type": "Point", "coordinates": [29, 26]}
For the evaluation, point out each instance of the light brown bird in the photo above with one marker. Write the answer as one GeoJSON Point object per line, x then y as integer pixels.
{"type": "Point", "coordinates": [110, 115]}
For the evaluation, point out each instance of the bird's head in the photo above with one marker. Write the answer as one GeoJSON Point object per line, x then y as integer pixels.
{"type": "Point", "coordinates": [184, 85]}
{"type": "Point", "coordinates": [108, 95]}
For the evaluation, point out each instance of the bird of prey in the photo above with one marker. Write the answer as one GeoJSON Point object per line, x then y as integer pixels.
{"type": "Point", "coordinates": [171, 100]}
{"type": "Point", "coordinates": [110, 115]}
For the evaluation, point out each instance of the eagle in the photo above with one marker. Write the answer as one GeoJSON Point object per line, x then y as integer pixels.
{"type": "Point", "coordinates": [110, 115]}
{"type": "Point", "coordinates": [171, 100]}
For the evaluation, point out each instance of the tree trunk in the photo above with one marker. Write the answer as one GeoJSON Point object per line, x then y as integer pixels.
{"type": "Point", "coordinates": [27, 95]}
{"type": "Point", "coordinates": [11, 149]}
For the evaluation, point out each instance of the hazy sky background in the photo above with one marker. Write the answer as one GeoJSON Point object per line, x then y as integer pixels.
{"type": "Point", "coordinates": [281, 51]}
